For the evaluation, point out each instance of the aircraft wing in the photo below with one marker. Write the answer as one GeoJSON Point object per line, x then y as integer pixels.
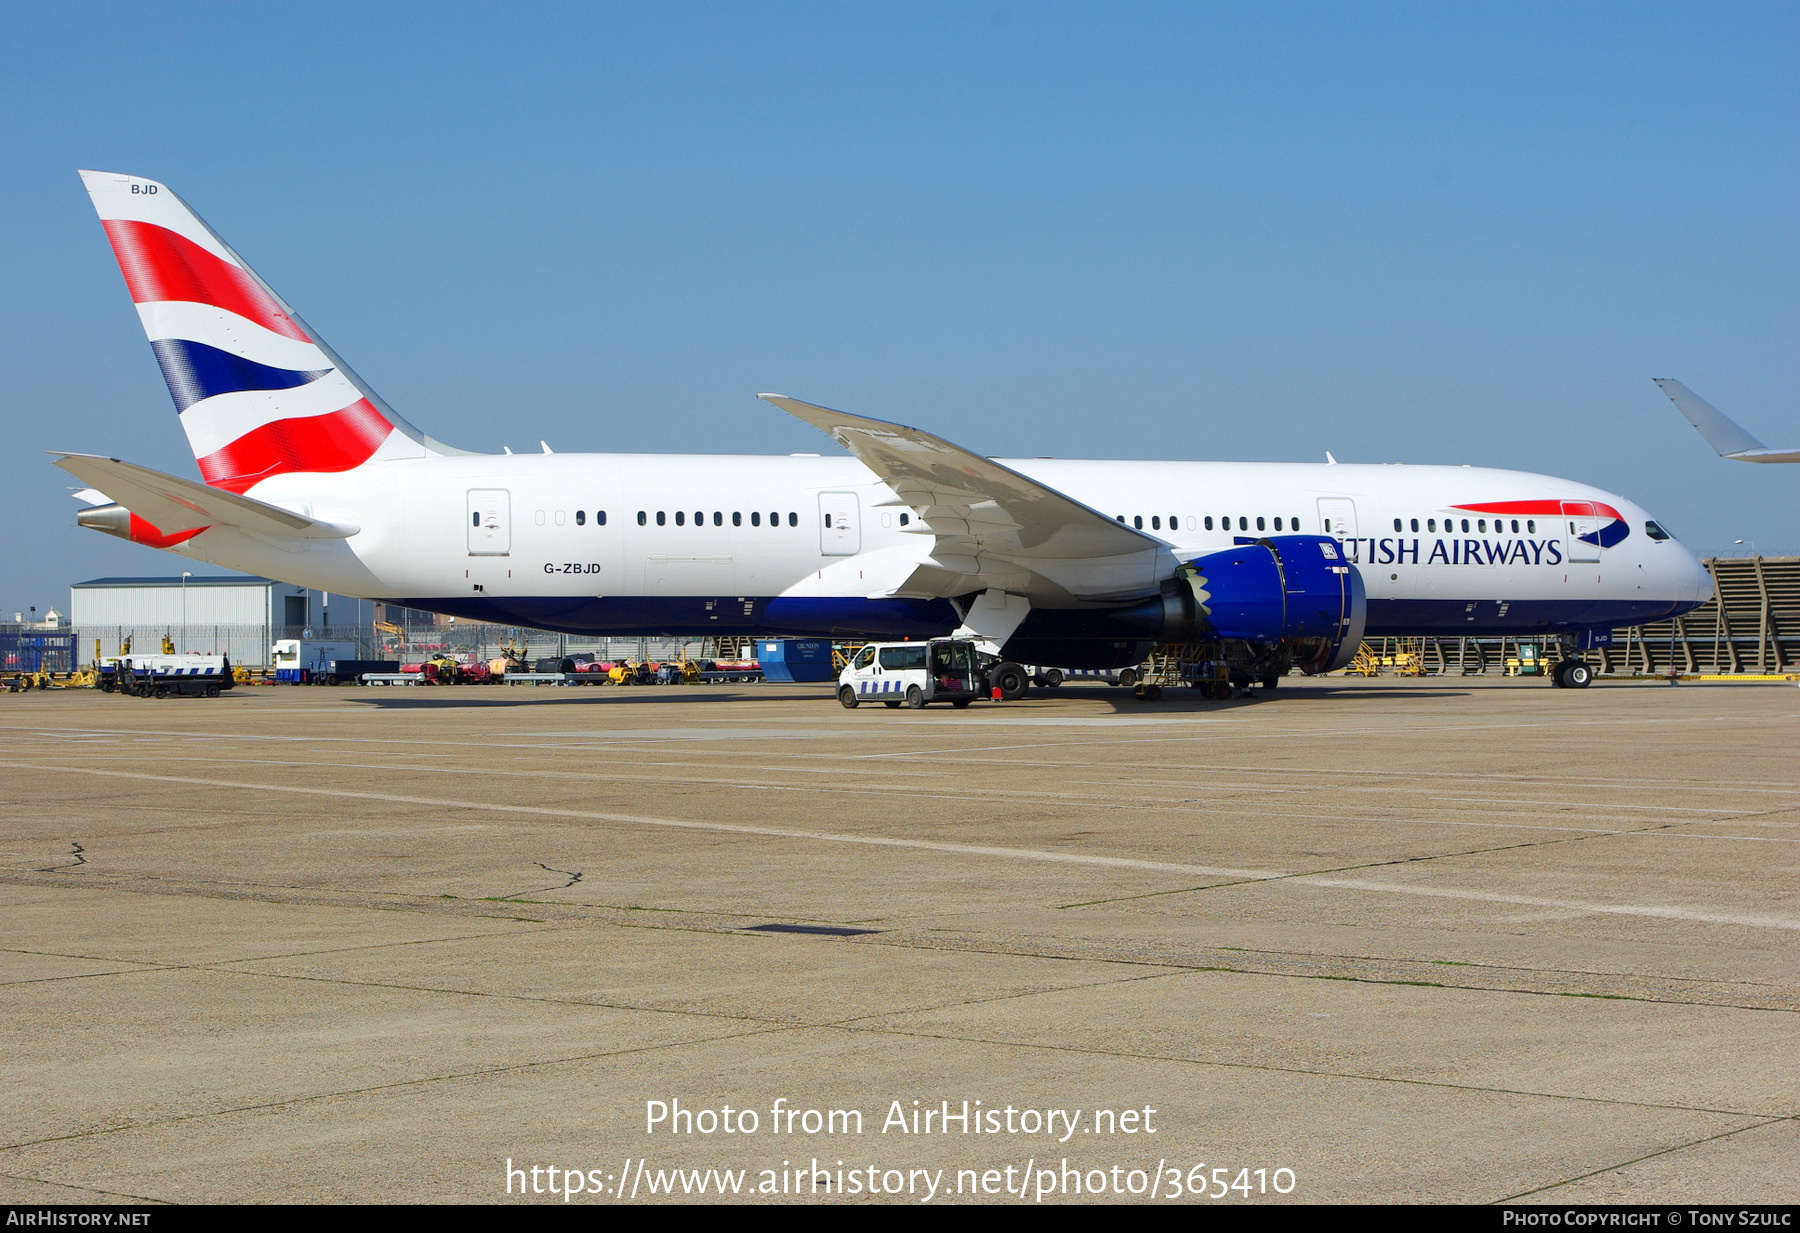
{"type": "Point", "coordinates": [172, 504]}
{"type": "Point", "coordinates": [1727, 439]}
{"type": "Point", "coordinates": [991, 525]}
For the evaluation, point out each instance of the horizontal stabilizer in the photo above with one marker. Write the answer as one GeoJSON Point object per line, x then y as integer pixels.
{"type": "Point", "coordinates": [173, 505]}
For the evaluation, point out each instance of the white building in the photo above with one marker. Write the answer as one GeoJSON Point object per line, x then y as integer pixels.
{"type": "Point", "coordinates": [230, 614]}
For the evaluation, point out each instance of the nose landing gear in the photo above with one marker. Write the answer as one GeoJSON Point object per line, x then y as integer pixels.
{"type": "Point", "coordinates": [1572, 674]}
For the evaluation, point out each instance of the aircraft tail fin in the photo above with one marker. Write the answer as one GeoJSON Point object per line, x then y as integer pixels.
{"type": "Point", "coordinates": [259, 393]}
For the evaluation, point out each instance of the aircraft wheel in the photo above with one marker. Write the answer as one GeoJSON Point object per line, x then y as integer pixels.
{"type": "Point", "coordinates": [847, 696]}
{"type": "Point", "coordinates": [892, 704]}
{"type": "Point", "coordinates": [1010, 680]}
{"type": "Point", "coordinates": [1271, 680]}
{"type": "Point", "coordinates": [1556, 674]}
{"type": "Point", "coordinates": [915, 698]}
{"type": "Point", "coordinates": [1577, 675]}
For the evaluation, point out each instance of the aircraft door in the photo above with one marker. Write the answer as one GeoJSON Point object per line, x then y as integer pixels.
{"type": "Point", "coordinates": [840, 524]}
{"type": "Point", "coordinates": [1583, 523]}
{"type": "Point", "coordinates": [489, 522]}
{"type": "Point", "coordinates": [1337, 518]}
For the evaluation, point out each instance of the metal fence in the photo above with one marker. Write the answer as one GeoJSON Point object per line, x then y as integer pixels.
{"type": "Point", "coordinates": [28, 648]}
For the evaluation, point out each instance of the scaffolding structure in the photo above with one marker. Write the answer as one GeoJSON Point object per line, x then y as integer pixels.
{"type": "Point", "coordinates": [1750, 626]}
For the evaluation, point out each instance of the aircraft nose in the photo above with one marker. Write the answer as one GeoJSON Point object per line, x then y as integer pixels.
{"type": "Point", "coordinates": [1699, 582]}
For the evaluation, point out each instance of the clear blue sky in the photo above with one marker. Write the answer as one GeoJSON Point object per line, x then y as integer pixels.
{"type": "Point", "coordinates": [1423, 233]}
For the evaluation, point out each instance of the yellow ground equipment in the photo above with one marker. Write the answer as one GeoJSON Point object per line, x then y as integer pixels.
{"type": "Point", "coordinates": [1401, 656]}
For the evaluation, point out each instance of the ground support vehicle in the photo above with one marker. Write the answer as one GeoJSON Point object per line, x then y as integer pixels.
{"type": "Point", "coordinates": [1127, 677]}
{"type": "Point", "coordinates": [916, 673]}
{"type": "Point", "coordinates": [727, 671]}
{"type": "Point", "coordinates": [158, 676]}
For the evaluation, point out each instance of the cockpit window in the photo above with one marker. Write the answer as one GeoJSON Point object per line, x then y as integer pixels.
{"type": "Point", "coordinates": [1656, 532]}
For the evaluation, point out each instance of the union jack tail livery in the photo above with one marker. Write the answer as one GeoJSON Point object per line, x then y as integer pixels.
{"type": "Point", "coordinates": [258, 392]}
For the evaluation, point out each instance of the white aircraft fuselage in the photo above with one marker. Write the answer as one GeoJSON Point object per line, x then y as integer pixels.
{"type": "Point", "coordinates": [715, 570]}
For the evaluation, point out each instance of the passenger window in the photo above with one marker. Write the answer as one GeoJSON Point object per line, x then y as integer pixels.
{"type": "Point", "coordinates": [737, 519]}
{"type": "Point", "coordinates": [774, 520]}
{"type": "Point", "coordinates": [905, 519]}
{"type": "Point", "coordinates": [1481, 525]}
{"type": "Point", "coordinates": [1531, 526]}
{"type": "Point", "coordinates": [1327, 525]}
{"type": "Point", "coordinates": [864, 657]}
{"type": "Point", "coordinates": [581, 518]}
{"type": "Point", "coordinates": [681, 518]}
{"type": "Point", "coordinates": [600, 518]}
{"type": "Point", "coordinates": [793, 520]}
{"type": "Point", "coordinates": [897, 658]}
{"type": "Point", "coordinates": [1294, 523]}
{"type": "Point", "coordinates": [699, 517]}
{"type": "Point", "coordinates": [1209, 522]}
{"type": "Point", "coordinates": [1156, 522]}
{"type": "Point", "coordinates": [1137, 520]}
{"type": "Point", "coordinates": [1278, 524]}
{"type": "Point", "coordinates": [1174, 522]}
{"type": "Point", "coordinates": [1243, 523]}
{"type": "Point", "coordinates": [475, 519]}
{"type": "Point", "coordinates": [1397, 525]}
{"type": "Point", "coordinates": [1465, 526]}
{"type": "Point", "coordinates": [1431, 524]}
{"type": "Point", "coordinates": [1121, 518]}
{"type": "Point", "coordinates": [718, 518]}
{"type": "Point", "coordinates": [1259, 524]}
{"type": "Point", "coordinates": [640, 518]}
{"type": "Point", "coordinates": [828, 520]}
{"type": "Point", "coordinates": [756, 518]}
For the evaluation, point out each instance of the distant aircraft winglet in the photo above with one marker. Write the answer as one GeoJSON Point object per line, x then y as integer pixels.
{"type": "Point", "coordinates": [1725, 436]}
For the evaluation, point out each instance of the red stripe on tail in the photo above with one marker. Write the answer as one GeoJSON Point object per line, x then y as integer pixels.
{"type": "Point", "coordinates": [339, 441]}
{"type": "Point", "coordinates": [161, 265]}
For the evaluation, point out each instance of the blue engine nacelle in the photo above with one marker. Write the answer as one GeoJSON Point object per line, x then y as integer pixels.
{"type": "Point", "coordinates": [1293, 589]}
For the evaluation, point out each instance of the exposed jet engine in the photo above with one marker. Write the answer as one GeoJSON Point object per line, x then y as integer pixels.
{"type": "Point", "coordinates": [1295, 590]}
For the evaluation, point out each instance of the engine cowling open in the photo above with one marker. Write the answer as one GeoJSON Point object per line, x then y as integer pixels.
{"type": "Point", "coordinates": [1295, 590]}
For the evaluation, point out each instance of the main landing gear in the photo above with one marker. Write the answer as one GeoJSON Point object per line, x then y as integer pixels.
{"type": "Point", "coordinates": [1572, 674]}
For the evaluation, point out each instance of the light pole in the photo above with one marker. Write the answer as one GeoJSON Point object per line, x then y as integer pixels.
{"type": "Point", "coordinates": [185, 575]}
{"type": "Point", "coordinates": [1751, 542]}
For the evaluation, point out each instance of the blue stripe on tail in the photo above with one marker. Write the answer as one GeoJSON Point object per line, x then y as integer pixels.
{"type": "Point", "coordinates": [195, 371]}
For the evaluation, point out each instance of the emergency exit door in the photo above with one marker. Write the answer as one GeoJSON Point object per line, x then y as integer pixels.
{"type": "Point", "coordinates": [489, 522]}
{"type": "Point", "coordinates": [1337, 516]}
{"type": "Point", "coordinates": [840, 527]}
